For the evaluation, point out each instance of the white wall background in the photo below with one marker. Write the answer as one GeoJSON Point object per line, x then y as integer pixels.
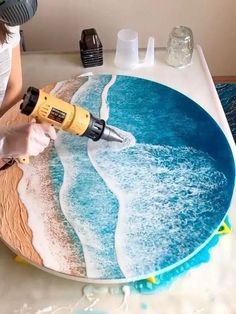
{"type": "Point", "coordinates": [58, 25]}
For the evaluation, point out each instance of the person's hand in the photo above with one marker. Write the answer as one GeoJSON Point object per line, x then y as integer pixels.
{"type": "Point", "coordinates": [29, 139]}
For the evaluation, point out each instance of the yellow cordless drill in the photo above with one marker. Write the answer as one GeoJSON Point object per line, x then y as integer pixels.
{"type": "Point", "coordinates": [66, 116]}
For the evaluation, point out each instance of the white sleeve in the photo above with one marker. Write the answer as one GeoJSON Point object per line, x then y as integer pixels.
{"type": "Point", "coordinates": [14, 38]}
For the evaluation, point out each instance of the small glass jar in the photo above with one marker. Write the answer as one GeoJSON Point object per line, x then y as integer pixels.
{"type": "Point", "coordinates": [180, 46]}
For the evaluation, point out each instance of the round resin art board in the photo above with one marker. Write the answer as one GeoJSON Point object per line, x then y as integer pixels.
{"type": "Point", "coordinates": [112, 212]}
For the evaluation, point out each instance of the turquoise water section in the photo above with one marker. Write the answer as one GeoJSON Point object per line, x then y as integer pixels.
{"type": "Point", "coordinates": [57, 174]}
{"type": "Point", "coordinates": [173, 201]}
{"type": "Point", "coordinates": [89, 207]}
{"type": "Point", "coordinates": [168, 193]}
{"type": "Point", "coordinates": [164, 280]}
{"type": "Point", "coordinates": [157, 114]}
{"type": "Point", "coordinates": [227, 94]}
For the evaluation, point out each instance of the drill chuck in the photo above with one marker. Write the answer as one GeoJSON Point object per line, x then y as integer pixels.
{"type": "Point", "coordinates": [63, 115]}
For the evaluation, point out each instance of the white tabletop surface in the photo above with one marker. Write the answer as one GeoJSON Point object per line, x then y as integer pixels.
{"type": "Point", "coordinates": [27, 290]}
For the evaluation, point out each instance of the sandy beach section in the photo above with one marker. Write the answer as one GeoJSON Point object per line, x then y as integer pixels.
{"type": "Point", "coordinates": [31, 222]}
{"type": "Point", "coordinates": [14, 230]}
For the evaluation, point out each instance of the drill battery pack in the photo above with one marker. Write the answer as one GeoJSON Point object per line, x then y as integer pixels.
{"type": "Point", "coordinates": [91, 50]}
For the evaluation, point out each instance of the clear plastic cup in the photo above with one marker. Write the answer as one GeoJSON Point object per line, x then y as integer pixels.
{"type": "Point", "coordinates": [127, 49]}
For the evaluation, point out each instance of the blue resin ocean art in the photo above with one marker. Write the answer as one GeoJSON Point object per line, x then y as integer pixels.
{"type": "Point", "coordinates": [126, 211]}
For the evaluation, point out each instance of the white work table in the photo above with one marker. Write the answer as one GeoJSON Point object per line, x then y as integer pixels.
{"type": "Point", "coordinates": [25, 289]}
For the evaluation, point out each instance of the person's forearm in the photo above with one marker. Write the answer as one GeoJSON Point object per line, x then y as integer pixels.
{"type": "Point", "coordinates": [12, 96]}
{"type": "Point", "coordinates": [2, 140]}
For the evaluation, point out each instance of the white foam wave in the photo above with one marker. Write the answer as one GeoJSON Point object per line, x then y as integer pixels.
{"type": "Point", "coordinates": [83, 230]}
{"type": "Point", "coordinates": [53, 253]}
{"type": "Point", "coordinates": [82, 89]}
{"type": "Point", "coordinates": [57, 88]}
{"type": "Point", "coordinates": [154, 186]}
{"type": "Point", "coordinates": [104, 110]}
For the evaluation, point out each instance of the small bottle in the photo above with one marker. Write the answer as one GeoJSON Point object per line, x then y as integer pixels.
{"type": "Point", "coordinates": [180, 46]}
